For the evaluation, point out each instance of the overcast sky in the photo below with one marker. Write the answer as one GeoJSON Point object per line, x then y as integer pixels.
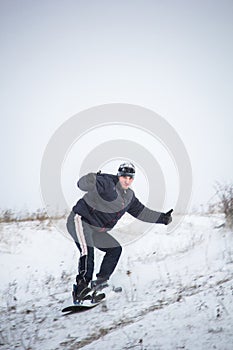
{"type": "Point", "coordinates": [61, 57]}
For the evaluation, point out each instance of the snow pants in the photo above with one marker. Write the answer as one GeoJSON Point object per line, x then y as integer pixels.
{"type": "Point", "coordinates": [86, 238]}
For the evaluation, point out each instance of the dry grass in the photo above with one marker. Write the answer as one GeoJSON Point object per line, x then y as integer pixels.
{"type": "Point", "coordinates": [8, 215]}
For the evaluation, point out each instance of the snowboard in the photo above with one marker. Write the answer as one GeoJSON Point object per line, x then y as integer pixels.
{"type": "Point", "coordinates": [82, 306]}
{"type": "Point", "coordinates": [87, 301]}
{"type": "Point", "coordinates": [89, 298]}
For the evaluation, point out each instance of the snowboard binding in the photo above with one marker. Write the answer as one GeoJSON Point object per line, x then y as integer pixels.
{"type": "Point", "coordinates": [87, 294]}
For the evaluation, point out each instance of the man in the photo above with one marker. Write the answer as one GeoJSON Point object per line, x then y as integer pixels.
{"type": "Point", "coordinates": [107, 198]}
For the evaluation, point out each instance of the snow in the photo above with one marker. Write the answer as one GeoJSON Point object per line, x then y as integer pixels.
{"type": "Point", "coordinates": [177, 290]}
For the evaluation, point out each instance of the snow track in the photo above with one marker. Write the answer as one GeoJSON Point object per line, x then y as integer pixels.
{"type": "Point", "coordinates": [177, 291]}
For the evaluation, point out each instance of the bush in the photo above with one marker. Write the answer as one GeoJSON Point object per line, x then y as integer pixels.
{"type": "Point", "coordinates": [224, 203]}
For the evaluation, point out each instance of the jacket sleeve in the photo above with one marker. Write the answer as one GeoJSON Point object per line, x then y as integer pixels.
{"type": "Point", "coordinates": [87, 182]}
{"type": "Point", "coordinates": [97, 183]}
{"type": "Point", "coordinates": [141, 212]}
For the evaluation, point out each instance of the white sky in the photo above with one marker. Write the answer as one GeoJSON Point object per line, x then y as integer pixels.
{"type": "Point", "coordinates": [60, 57]}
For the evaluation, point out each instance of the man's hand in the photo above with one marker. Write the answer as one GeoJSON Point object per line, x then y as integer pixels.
{"type": "Point", "coordinates": [167, 218]}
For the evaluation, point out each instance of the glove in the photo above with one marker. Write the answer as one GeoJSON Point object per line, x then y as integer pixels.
{"type": "Point", "coordinates": [166, 218]}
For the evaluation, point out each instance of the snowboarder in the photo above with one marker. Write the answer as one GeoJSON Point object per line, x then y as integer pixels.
{"type": "Point", "coordinates": [107, 198]}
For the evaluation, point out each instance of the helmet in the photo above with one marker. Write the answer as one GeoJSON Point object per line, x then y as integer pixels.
{"type": "Point", "coordinates": [126, 169]}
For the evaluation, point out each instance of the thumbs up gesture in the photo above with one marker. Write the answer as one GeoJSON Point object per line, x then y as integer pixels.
{"type": "Point", "coordinates": [167, 218]}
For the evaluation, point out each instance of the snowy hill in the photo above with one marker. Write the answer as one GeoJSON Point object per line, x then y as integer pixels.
{"type": "Point", "coordinates": [177, 290]}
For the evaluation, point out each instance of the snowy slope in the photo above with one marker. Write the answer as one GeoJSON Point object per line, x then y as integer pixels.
{"type": "Point", "coordinates": [177, 290]}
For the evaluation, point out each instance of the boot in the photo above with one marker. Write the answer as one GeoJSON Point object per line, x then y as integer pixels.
{"type": "Point", "coordinates": [80, 290]}
{"type": "Point", "coordinates": [99, 283]}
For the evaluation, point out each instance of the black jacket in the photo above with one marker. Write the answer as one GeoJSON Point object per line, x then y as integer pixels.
{"type": "Point", "coordinates": [105, 202]}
